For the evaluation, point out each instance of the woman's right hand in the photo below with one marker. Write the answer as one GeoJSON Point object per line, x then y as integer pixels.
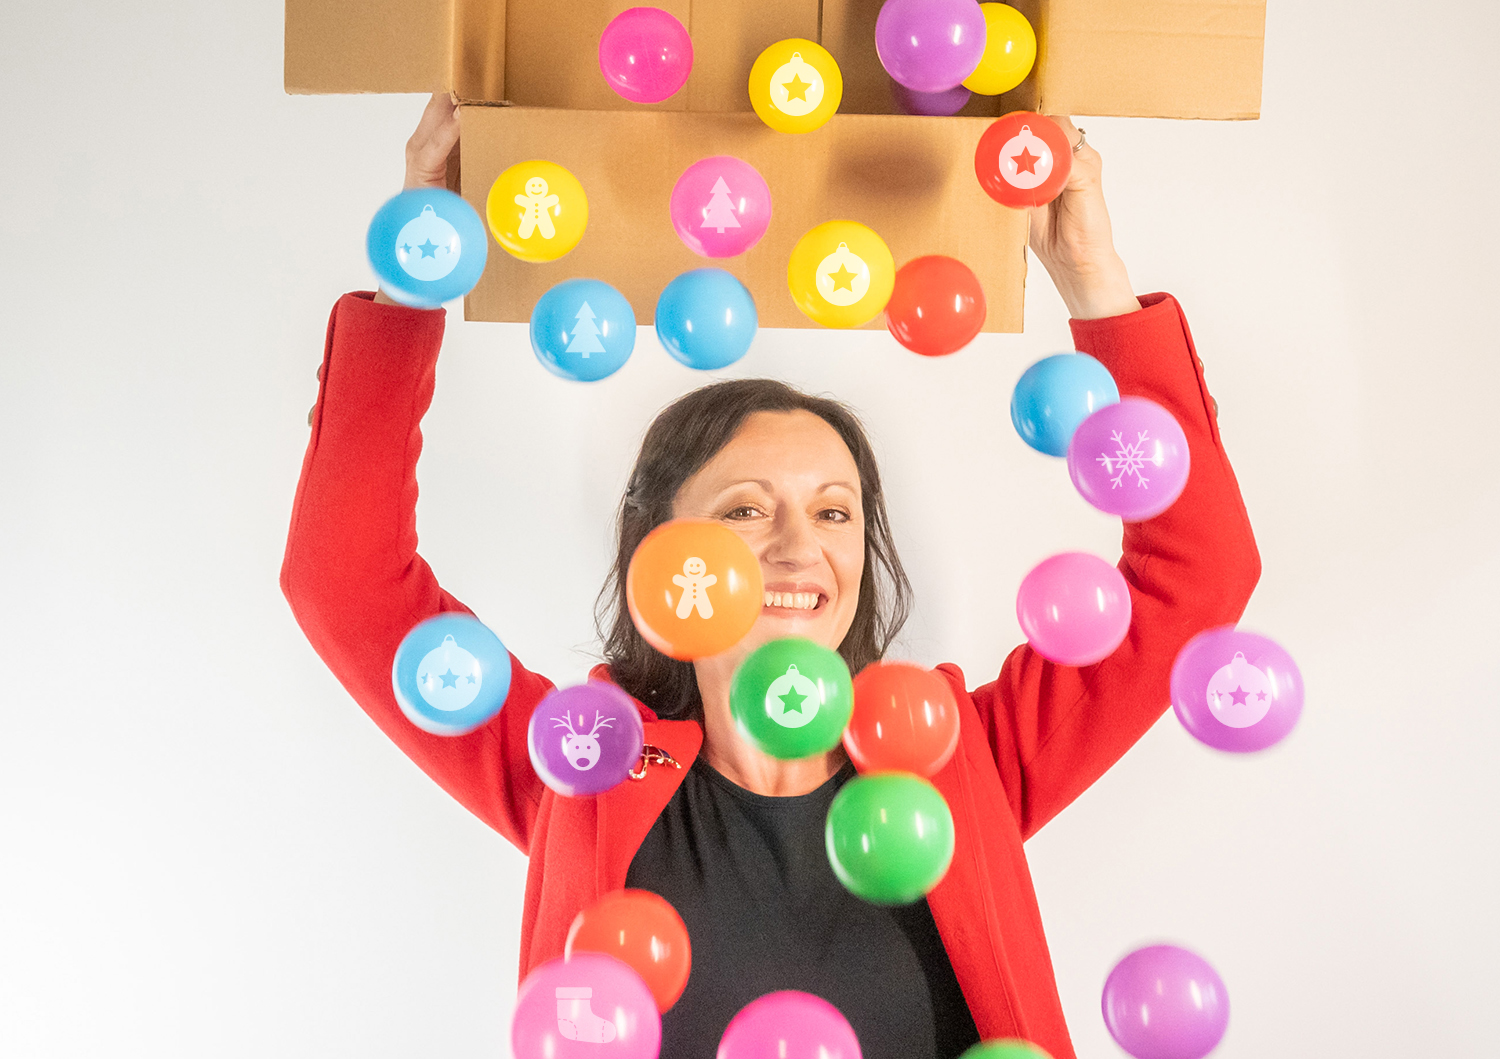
{"type": "Point", "coordinates": [428, 149]}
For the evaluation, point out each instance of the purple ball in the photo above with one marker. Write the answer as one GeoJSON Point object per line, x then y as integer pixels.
{"type": "Point", "coordinates": [1130, 459]}
{"type": "Point", "coordinates": [1235, 690]}
{"type": "Point", "coordinates": [585, 739]}
{"type": "Point", "coordinates": [1163, 1002]}
{"type": "Point", "coordinates": [929, 104]}
{"type": "Point", "coordinates": [930, 45]}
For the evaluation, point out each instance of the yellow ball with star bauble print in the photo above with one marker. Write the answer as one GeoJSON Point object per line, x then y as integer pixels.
{"type": "Point", "coordinates": [841, 274]}
{"type": "Point", "coordinates": [795, 86]}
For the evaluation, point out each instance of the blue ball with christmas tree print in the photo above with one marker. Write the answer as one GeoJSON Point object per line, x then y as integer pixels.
{"type": "Point", "coordinates": [427, 246]}
{"type": "Point", "coordinates": [706, 319]}
{"type": "Point", "coordinates": [583, 329]}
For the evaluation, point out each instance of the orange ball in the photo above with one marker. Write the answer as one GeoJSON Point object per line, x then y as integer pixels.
{"type": "Point", "coordinates": [643, 930]}
{"type": "Point", "coordinates": [693, 588]}
{"type": "Point", "coordinates": [905, 718]}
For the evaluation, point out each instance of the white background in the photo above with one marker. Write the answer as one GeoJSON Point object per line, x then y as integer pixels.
{"type": "Point", "coordinates": [207, 850]}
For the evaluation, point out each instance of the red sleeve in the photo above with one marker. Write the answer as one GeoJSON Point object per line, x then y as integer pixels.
{"type": "Point", "coordinates": [352, 573]}
{"type": "Point", "coordinates": [1055, 729]}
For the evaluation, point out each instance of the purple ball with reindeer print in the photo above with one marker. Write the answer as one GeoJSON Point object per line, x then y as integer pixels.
{"type": "Point", "coordinates": [1130, 459]}
{"type": "Point", "coordinates": [585, 739]}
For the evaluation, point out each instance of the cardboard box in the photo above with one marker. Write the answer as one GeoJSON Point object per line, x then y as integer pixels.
{"type": "Point", "coordinates": [527, 73]}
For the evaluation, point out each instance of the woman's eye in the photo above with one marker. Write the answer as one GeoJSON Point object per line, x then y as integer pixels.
{"type": "Point", "coordinates": [835, 515]}
{"type": "Point", "coordinates": [743, 511]}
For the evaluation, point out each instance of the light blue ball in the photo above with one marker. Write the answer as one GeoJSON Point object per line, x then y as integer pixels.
{"type": "Point", "coordinates": [427, 246]}
{"type": "Point", "coordinates": [582, 329]}
{"type": "Point", "coordinates": [706, 319]}
{"type": "Point", "coordinates": [1057, 393]}
{"type": "Point", "coordinates": [451, 674]}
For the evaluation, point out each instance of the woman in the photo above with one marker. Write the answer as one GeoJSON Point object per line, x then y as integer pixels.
{"type": "Point", "coordinates": [732, 837]}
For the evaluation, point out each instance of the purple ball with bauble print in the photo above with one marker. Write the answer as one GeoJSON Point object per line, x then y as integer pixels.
{"type": "Point", "coordinates": [1236, 691]}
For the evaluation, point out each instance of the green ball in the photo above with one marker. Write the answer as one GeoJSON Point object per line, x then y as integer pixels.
{"type": "Point", "coordinates": [889, 837]}
{"type": "Point", "coordinates": [792, 698]}
{"type": "Point", "coordinates": [1010, 1048]}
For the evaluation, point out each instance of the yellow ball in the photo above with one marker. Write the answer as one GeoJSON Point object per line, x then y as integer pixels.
{"type": "Point", "coordinates": [537, 210]}
{"type": "Point", "coordinates": [841, 274]}
{"type": "Point", "coordinates": [795, 86]}
{"type": "Point", "coordinates": [1009, 51]}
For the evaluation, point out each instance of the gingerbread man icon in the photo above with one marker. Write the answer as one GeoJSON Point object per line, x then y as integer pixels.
{"type": "Point", "coordinates": [695, 581]}
{"type": "Point", "coordinates": [537, 209]}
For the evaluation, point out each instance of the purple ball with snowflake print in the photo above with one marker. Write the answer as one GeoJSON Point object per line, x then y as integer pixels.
{"type": "Point", "coordinates": [1129, 459]}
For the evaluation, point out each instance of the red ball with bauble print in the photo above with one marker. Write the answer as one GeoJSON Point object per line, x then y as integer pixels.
{"type": "Point", "coordinates": [1023, 159]}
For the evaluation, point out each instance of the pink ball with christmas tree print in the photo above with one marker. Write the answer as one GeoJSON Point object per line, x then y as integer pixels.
{"type": "Point", "coordinates": [1130, 459]}
{"type": "Point", "coordinates": [1236, 691]}
{"type": "Point", "coordinates": [720, 207]}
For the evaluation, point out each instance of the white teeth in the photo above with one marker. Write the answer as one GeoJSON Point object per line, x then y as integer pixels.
{"type": "Point", "coordinates": [792, 600]}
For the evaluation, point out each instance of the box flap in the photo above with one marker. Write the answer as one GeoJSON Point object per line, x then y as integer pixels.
{"type": "Point", "coordinates": [911, 181]}
{"type": "Point", "coordinates": [368, 45]}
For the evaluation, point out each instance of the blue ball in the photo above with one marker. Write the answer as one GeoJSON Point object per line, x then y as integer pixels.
{"type": "Point", "coordinates": [706, 318]}
{"type": "Point", "coordinates": [427, 246]}
{"type": "Point", "coordinates": [582, 329]}
{"type": "Point", "coordinates": [451, 674]}
{"type": "Point", "coordinates": [1057, 393]}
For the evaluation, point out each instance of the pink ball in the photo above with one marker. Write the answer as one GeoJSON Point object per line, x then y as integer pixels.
{"type": "Point", "coordinates": [1130, 459]}
{"type": "Point", "coordinates": [1074, 608]}
{"type": "Point", "coordinates": [720, 206]}
{"type": "Point", "coordinates": [567, 1008]}
{"type": "Point", "coordinates": [789, 1025]}
{"type": "Point", "coordinates": [645, 54]}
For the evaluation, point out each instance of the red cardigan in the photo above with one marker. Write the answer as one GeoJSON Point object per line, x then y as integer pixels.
{"type": "Point", "coordinates": [1032, 740]}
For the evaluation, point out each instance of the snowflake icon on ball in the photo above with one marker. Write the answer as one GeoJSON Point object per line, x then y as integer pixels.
{"type": "Point", "coordinates": [695, 581]}
{"type": "Point", "coordinates": [1130, 458]}
{"type": "Point", "coordinates": [582, 748]}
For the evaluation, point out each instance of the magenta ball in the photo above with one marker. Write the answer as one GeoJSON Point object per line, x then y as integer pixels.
{"type": "Point", "coordinates": [567, 1008]}
{"type": "Point", "coordinates": [720, 206]}
{"type": "Point", "coordinates": [789, 1025]}
{"type": "Point", "coordinates": [1235, 690]}
{"type": "Point", "coordinates": [1164, 1002]}
{"type": "Point", "coordinates": [645, 54]}
{"type": "Point", "coordinates": [1074, 608]}
{"type": "Point", "coordinates": [929, 104]}
{"type": "Point", "coordinates": [930, 45]}
{"type": "Point", "coordinates": [1130, 459]}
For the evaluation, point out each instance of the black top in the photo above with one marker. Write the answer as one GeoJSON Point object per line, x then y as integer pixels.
{"type": "Point", "coordinates": [749, 875]}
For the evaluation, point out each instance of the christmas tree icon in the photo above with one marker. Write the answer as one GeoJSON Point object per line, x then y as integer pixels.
{"type": "Point", "coordinates": [719, 213]}
{"type": "Point", "coordinates": [585, 335]}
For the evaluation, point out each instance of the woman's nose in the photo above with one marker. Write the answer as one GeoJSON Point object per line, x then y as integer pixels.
{"type": "Point", "coordinates": [793, 543]}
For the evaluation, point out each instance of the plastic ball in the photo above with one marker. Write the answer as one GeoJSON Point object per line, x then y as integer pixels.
{"type": "Point", "coordinates": [1164, 1002]}
{"type": "Point", "coordinates": [642, 930]}
{"type": "Point", "coordinates": [567, 1008]}
{"type": "Point", "coordinates": [706, 319]}
{"type": "Point", "coordinates": [427, 246]}
{"type": "Point", "coordinates": [584, 740]}
{"type": "Point", "coordinates": [1009, 51]}
{"type": "Point", "coordinates": [1130, 459]}
{"type": "Point", "coordinates": [450, 674]}
{"type": "Point", "coordinates": [1010, 1048]}
{"type": "Point", "coordinates": [841, 274]}
{"type": "Point", "coordinates": [537, 210]}
{"type": "Point", "coordinates": [929, 104]}
{"type": "Point", "coordinates": [1023, 159]}
{"type": "Point", "coordinates": [693, 588]}
{"type": "Point", "coordinates": [720, 206]}
{"type": "Point", "coordinates": [795, 85]}
{"type": "Point", "coordinates": [645, 54]}
{"type": "Point", "coordinates": [905, 719]}
{"type": "Point", "coordinates": [791, 698]}
{"type": "Point", "coordinates": [889, 837]}
{"type": "Point", "coordinates": [789, 1025]}
{"type": "Point", "coordinates": [582, 329]}
{"type": "Point", "coordinates": [930, 45]}
{"type": "Point", "coordinates": [1074, 608]}
{"type": "Point", "coordinates": [936, 306]}
{"type": "Point", "coordinates": [1056, 394]}
{"type": "Point", "coordinates": [1236, 691]}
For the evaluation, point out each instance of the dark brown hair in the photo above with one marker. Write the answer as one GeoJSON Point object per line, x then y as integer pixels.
{"type": "Point", "coordinates": [685, 436]}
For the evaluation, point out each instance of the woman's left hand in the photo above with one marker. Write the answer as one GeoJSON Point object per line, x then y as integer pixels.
{"type": "Point", "coordinates": [1072, 238]}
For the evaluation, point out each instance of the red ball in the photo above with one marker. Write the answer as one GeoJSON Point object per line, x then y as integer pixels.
{"type": "Point", "coordinates": [936, 307]}
{"type": "Point", "coordinates": [1023, 159]}
{"type": "Point", "coordinates": [643, 930]}
{"type": "Point", "coordinates": [905, 718]}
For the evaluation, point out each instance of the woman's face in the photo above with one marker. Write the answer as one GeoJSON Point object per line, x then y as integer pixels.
{"type": "Point", "coordinates": [787, 484]}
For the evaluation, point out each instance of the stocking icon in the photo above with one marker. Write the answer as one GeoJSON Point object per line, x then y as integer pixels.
{"type": "Point", "coordinates": [576, 1021]}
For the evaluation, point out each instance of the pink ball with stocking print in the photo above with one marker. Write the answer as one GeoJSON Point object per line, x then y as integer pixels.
{"type": "Point", "coordinates": [720, 206]}
{"type": "Point", "coordinates": [1130, 459]}
{"type": "Point", "coordinates": [591, 1006]}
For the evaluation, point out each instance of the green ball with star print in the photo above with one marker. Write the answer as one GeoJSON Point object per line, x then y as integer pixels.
{"type": "Point", "coordinates": [792, 698]}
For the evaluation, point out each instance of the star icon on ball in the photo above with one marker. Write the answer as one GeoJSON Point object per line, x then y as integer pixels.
{"type": "Point", "coordinates": [1026, 161]}
{"type": "Point", "coordinates": [792, 701]}
{"type": "Point", "coordinates": [429, 249]}
{"type": "Point", "coordinates": [843, 279]}
{"type": "Point", "coordinates": [796, 88]}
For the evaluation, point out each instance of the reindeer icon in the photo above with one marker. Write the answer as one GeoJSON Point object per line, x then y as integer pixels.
{"type": "Point", "coordinates": [582, 749]}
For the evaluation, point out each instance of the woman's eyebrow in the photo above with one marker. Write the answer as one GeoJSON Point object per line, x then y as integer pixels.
{"type": "Point", "coordinates": [766, 485]}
